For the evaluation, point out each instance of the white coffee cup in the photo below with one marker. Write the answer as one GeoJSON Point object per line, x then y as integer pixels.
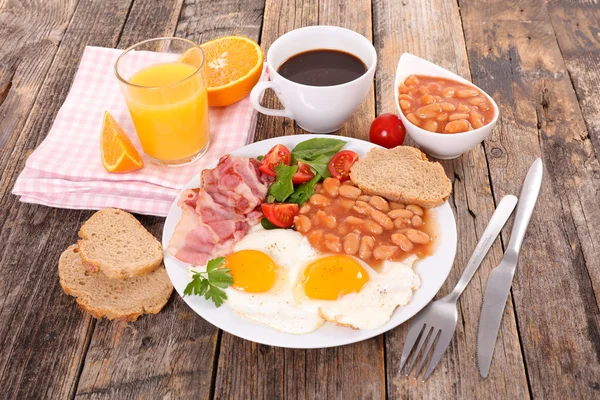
{"type": "Point", "coordinates": [317, 109]}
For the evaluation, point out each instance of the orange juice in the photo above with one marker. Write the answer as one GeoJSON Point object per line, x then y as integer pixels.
{"type": "Point", "coordinates": [169, 107]}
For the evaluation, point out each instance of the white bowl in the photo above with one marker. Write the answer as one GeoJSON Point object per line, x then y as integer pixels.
{"type": "Point", "coordinates": [442, 146]}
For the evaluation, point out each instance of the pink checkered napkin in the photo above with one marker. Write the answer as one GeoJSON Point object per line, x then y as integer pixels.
{"type": "Point", "coordinates": [66, 169]}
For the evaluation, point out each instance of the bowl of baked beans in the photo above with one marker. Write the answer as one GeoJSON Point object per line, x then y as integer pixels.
{"type": "Point", "coordinates": [445, 114]}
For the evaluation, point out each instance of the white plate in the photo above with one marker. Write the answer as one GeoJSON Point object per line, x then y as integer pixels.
{"type": "Point", "coordinates": [433, 271]}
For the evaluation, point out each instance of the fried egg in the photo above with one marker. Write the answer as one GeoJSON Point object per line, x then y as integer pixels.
{"type": "Point", "coordinates": [346, 291]}
{"type": "Point", "coordinates": [261, 265]}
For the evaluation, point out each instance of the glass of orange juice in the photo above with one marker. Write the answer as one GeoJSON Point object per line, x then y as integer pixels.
{"type": "Point", "coordinates": [167, 98]}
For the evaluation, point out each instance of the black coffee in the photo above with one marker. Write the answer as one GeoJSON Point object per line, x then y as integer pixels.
{"type": "Point", "coordinates": [322, 67]}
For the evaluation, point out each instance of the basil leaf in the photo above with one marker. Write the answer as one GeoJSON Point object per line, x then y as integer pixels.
{"type": "Point", "coordinates": [312, 149]}
{"type": "Point", "coordinates": [304, 191]}
{"type": "Point", "coordinates": [320, 165]}
{"type": "Point", "coordinates": [268, 225]}
{"type": "Point", "coordinates": [283, 185]}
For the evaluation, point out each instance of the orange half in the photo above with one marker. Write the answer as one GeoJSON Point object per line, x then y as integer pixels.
{"type": "Point", "coordinates": [232, 66]}
{"type": "Point", "coordinates": [118, 152]}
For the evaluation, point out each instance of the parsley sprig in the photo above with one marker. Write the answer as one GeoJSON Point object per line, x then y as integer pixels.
{"type": "Point", "coordinates": [210, 283]}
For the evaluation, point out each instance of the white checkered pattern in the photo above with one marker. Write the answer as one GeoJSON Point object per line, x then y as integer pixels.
{"type": "Point", "coordinates": [66, 169]}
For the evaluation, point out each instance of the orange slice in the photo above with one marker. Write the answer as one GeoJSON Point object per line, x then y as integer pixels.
{"type": "Point", "coordinates": [118, 153]}
{"type": "Point", "coordinates": [233, 66]}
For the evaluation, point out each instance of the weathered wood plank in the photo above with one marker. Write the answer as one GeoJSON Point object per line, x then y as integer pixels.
{"type": "Point", "coordinates": [42, 334]}
{"type": "Point", "coordinates": [514, 55]}
{"type": "Point", "coordinates": [577, 27]}
{"type": "Point", "coordinates": [282, 17]}
{"type": "Point", "coordinates": [432, 30]}
{"type": "Point", "coordinates": [249, 370]}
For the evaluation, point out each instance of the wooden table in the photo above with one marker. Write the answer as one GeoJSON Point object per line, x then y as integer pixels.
{"type": "Point", "coordinates": [541, 63]}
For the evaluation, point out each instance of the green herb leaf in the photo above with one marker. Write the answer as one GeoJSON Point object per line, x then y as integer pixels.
{"type": "Point", "coordinates": [320, 165]}
{"type": "Point", "coordinates": [283, 185]}
{"type": "Point", "coordinates": [304, 191]}
{"type": "Point", "coordinates": [267, 225]}
{"type": "Point", "coordinates": [312, 149]}
{"type": "Point", "coordinates": [259, 158]}
{"type": "Point", "coordinates": [210, 283]}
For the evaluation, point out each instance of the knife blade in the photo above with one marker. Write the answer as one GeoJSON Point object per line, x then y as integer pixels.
{"type": "Point", "coordinates": [500, 279]}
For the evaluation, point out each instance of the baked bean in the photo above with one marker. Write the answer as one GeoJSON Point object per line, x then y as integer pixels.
{"type": "Point", "coordinates": [403, 88]}
{"type": "Point", "coordinates": [430, 125]}
{"type": "Point", "coordinates": [318, 188]}
{"type": "Point", "coordinates": [333, 243]}
{"type": "Point", "coordinates": [396, 206]}
{"type": "Point", "coordinates": [476, 120]}
{"type": "Point", "coordinates": [384, 252]}
{"type": "Point", "coordinates": [423, 90]}
{"type": "Point", "coordinates": [458, 126]}
{"type": "Point", "coordinates": [464, 93]}
{"type": "Point", "coordinates": [316, 236]}
{"type": "Point", "coordinates": [342, 229]}
{"type": "Point", "coordinates": [447, 107]}
{"type": "Point", "coordinates": [315, 220]}
{"type": "Point", "coordinates": [429, 111]}
{"type": "Point", "coordinates": [379, 203]}
{"type": "Point", "coordinates": [362, 208]}
{"type": "Point", "coordinates": [382, 219]}
{"type": "Point", "coordinates": [331, 186]}
{"type": "Point", "coordinates": [352, 220]}
{"type": "Point", "coordinates": [401, 222]}
{"type": "Point", "coordinates": [304, 209]}
{"type": "Point", "coordinates": [413, 119]}
{"type": "Point", "coordinates": [425, 99]}
{"type": "Point", "coordinates": [438, 99]}
{"type": "Point", "coordinates": [327, 220]}
{"type": "Point", "coordinates": [402, 241]}
{"type": "Point", "coordinates": [412, 90]}
{"type": "Point", "coordinates": [484, 107]}
{"type": "Point", "coordinates": [417, 237]}
{"type": "Point", "coordinates": [349, 191]}
{"type": "Point", "coordinates": [434, 87]}
{"type": "Point", "coordinates": [416, 221]}
{"type": "Point", "coordinates": [415, 209]}
{"type": "Point", "coordinates": [442, 117]}
{"type": "Point", "coordinates": [448, 91]}
{"type": "Point", "coordinates": [351, 243]}
{"type": "Point", "coordinates": [401, 213]}
{"type": "Point", "coordinates": [404, 97]}
{"type": "Point", "coordinates": [347, 203]}
{"type": "Point", "coordinates": [463, 108]}
{"type": "Point", "coordinates": [365, 197]}
{"type": "Point", "coordinates": [411, 80]}
{"type": "Point", "coordinates": [318, 200]}
{"type": "Point", "coordinates": [366, 247]}
{"type": "Point", "coordinates": [456, 116]}
{"type": "Point", "coordinates": [302, 223]}
{"type": "Point", "coordinates": [372, 227]}
{"type": "Point", "coordinates": [404, 104]}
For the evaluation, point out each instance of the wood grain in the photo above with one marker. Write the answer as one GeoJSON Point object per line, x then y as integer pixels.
{"type": "Point", "coordinates": [284, 16]}
{"type": "Point", "coordinates": [249, 370]}
{"type": "Point", "coordinates": [514, 56]}
{"type": "Point", "coordinates": [432, 30]}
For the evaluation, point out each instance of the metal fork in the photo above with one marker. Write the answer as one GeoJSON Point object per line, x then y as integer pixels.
{"type": "Point", "coordinates": [439, 318]}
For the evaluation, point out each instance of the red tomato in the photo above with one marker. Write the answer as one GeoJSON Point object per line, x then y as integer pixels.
{"type": "Point", "coordinates": [340, 164]}
{"type": "Point", "coordinates": [387, 131]}
{"type": "Point", "coordinates": [278, 154]}
{"type": "Point", "coordinates": [280, 214]}
{"type": "Point", "coordinates": [303, 174]}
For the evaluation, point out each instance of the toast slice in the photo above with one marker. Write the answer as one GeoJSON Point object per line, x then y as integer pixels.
{"type": "Point", "coordinates": [112, 298]}
{"type": "Point", "coordinates": [402, 174]}
{"type": "Point", "coordinates": [114, 242]}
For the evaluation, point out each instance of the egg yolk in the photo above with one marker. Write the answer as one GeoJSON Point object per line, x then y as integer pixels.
{"type": "Point", "coordinates": [252, 271]}
{"type": "Point", "coordinates": [329, 278]}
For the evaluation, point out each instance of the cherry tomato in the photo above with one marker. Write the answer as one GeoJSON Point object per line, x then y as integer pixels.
{"type": "Point", "coordinates": [303, 174]}
{"type": "Point", "coordinates": [278, 154]}
{"type": "Point", "coordinates": [387, 131]}
{"type": "Point", "coordinates": [280, 214]}
{"type": "Point", "coordinates": [340, 164]}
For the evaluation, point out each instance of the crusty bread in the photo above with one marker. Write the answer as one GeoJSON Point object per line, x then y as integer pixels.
{"type": "Point", "coordinates": [402, 174]}
{"type": "Point", "coordinates": [112, 298]}
{"type": "Point", "coordinates": [114, 242]}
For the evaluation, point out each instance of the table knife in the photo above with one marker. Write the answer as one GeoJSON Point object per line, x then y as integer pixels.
{"type": "Point", "coordinates": [500, 279]}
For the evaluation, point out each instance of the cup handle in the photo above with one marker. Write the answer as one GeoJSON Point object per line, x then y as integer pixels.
{"type": "Point", "coordinates": [256, 94]}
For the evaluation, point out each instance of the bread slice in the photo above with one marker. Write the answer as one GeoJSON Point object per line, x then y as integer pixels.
{"type": "Point", "coordinates": [114, 242]}
{"type": "Point", "coordinates": [112, 298]}
{"type": "Point", "coordinates": [402, 174]}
